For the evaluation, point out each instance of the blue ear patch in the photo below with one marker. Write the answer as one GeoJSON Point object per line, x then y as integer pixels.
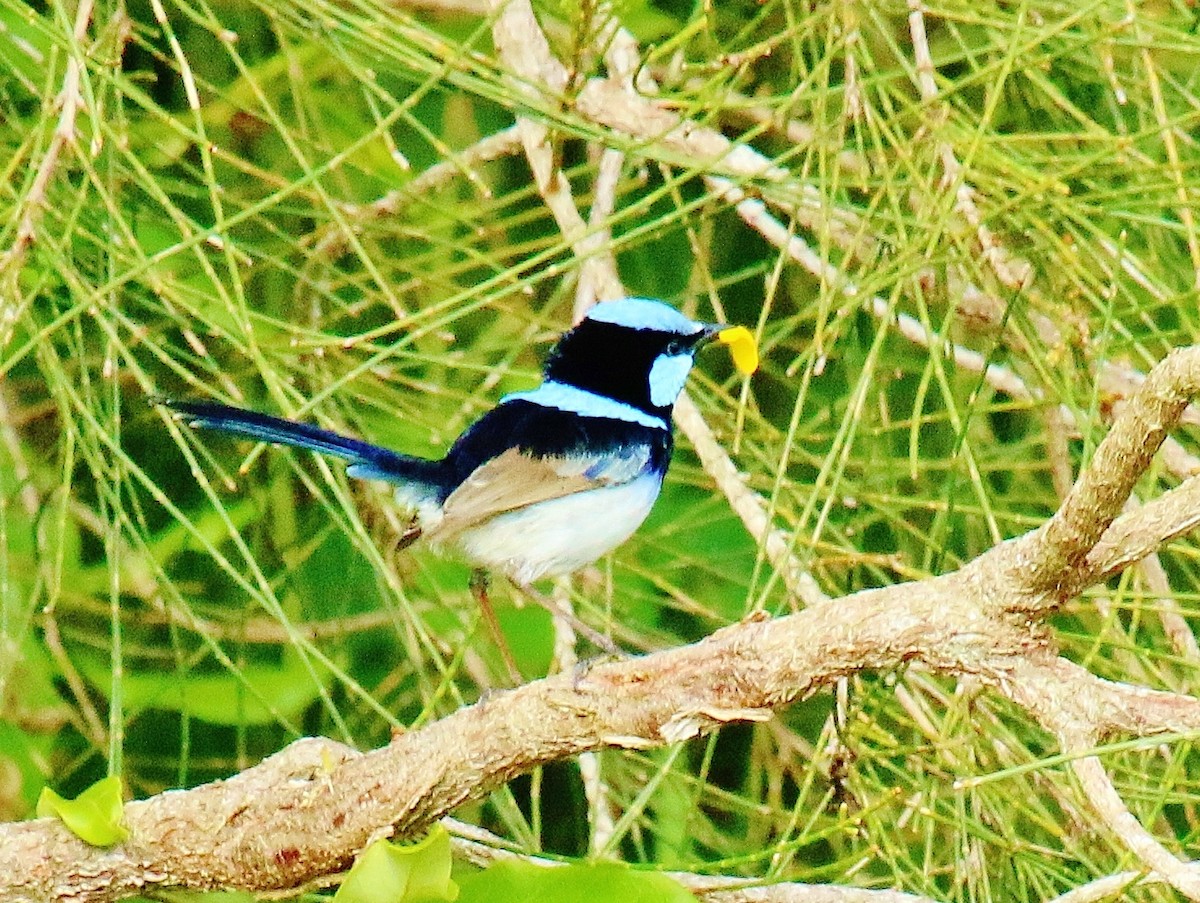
{"type": "Point", "coordinates": [667, 376]}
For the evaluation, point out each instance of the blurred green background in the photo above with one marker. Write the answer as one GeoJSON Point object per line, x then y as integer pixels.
{"type": "Point", "coordinates": [177, 606]}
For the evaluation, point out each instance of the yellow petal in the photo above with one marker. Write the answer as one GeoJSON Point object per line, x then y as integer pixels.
{"type": "Point", "coordinates": [741, 346]}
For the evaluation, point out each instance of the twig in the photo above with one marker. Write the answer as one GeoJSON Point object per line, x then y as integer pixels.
{"type": "Point", "coordinates": [1184, 877]}
{"type": "Point", "coordinates": [1012, 274]}
{"type": "Point", "coordinates": [1067, 698]}
{"type": "Point", "coordinates": [746, 503]}
{"type": "Point", "coordinates": [1167, 129]}
{"type": "Point", "coordinates": [708, 151]}
{"type": "Point", "coordinates": [598, 269]}
{"type": "Point", "coordinates": [1136, 534]}
{"type": "Point", "coordinates": [1107, 888]}
{"type": "Point", "coordinates": [30, 209]}
{"type": "Point", "coordinates": [92, 725]}
{"type": "Point", "coordinates": [754, 212]}
{"type": "Point", "coordinates": [482, 848]}
{"type": "Point", "coordinates": [523, 47]}
{"type": "Point", "coordinates": [331, 242]}
{"type": "Point", "coordinates": [1079, 708]}
{"type": "Point", "coordinates": [1116, 380]}
{"type": "Point", "coordinates": [800, 893]}
{"type": "Point", "coordinates": [1064, 542]}
{"type": "Point", "coordinates": [743, 110]}
{"type": "Point", "coordinates": [1174, 625]}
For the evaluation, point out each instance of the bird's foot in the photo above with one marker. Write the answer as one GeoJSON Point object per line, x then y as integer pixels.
{"type": "Point", "coordinates": [479, 589]}
{"type": "Point", "coordinates": [558, 610]}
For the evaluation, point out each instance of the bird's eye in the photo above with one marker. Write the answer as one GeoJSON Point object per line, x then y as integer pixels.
{"type": "Point", "coordinates": [675, 347]}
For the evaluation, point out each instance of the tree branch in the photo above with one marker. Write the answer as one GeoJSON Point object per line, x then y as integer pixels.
{"type": "Point", "coordinates": [305, 812]}
{"type": "Point", "coordinates": [1052, 558]}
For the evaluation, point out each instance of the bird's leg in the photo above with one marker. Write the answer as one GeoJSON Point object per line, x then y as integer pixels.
{"type": "Point", "coordinates": [599, 640]}
{"type": "Point", "coordinates": [479, 589]}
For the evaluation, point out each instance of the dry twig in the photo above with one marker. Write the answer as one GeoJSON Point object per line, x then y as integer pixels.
{"type": "Point", "coordinates": [68, 101]}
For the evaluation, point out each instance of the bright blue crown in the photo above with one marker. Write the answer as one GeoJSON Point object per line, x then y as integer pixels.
{"type": "Point", "coordinates": [643, 313]}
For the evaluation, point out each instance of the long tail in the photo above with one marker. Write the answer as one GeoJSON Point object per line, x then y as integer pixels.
{"type": "Point", "coordinates": [365, 461]}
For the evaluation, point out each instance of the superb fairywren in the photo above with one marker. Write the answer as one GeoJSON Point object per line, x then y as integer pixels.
{"type": "Point", "coordinates": [552, 478]}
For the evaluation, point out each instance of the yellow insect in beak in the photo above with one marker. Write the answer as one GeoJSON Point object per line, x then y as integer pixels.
{"type": "Point", "coordinates": [741, 347]}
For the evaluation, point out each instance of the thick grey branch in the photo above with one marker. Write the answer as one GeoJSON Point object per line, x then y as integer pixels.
{"type": "Point", "coordinates": [305, 812]}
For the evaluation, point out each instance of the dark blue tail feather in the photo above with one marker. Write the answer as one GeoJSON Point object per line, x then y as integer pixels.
{"type": "Point", "coordinates": [366, 461]}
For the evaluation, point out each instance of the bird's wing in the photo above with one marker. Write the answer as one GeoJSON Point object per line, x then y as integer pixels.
{"type": "Point", "coordinates": [513, 480]}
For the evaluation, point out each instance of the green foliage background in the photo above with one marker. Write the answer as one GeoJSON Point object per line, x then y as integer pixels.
{"type": "Point", "coordinates": [175, 607]}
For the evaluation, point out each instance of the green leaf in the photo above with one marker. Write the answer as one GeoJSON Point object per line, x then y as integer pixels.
{"type": "Point", "coordinates": [390, 873]}
{"type": "Point", "coordinates": [255, 695]}
{"type": "Point", "coordinates": [647, 22]}
{"type": "Point", "coordinates": [612, 882]}
{"type": "Point", "coordinates": [193, 896]}
{"type": "Point", "coordinates": [95, 816]}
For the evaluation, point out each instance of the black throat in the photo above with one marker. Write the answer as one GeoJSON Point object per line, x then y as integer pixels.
{"type": "Point", "coordinates": [613, 361]}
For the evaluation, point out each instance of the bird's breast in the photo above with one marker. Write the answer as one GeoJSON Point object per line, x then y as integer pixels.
{"type": "Point", "coordinates": [561, 535]}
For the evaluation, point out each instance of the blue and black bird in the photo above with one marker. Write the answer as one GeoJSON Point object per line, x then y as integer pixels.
{"type": "Point", "coordinates": [550, 479]}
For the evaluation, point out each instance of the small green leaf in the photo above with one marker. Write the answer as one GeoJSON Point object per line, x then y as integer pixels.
{"type": "Point", "coordinates": [612, 882]}
{"type": "Point", "coordinates": [95, 816]}
{"type": "Point", "coordinates": [390, 873]}
{"type": "Point", "coordinates": [257, 694]}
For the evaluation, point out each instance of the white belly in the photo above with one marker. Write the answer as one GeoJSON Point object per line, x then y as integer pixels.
{"type": "Point", "coordinates": [561, 535]}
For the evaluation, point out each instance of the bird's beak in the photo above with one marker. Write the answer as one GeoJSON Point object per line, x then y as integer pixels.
{"type": "Point", "coordinates": [741, 345]}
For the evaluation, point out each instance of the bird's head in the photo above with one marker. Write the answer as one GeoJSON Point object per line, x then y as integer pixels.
{"type": "Point", "coordinates": [639, 352]}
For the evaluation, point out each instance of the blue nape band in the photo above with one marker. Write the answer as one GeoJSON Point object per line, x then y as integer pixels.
{"type": "Point", "coordinates": [579, 401]}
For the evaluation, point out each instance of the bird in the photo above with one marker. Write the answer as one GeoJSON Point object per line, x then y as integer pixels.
{"type": "Point", "coordinates": [552, 478]}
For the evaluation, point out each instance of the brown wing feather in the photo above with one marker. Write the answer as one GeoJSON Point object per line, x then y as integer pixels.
{"type": "Point", "coordinates": [512, 480]}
